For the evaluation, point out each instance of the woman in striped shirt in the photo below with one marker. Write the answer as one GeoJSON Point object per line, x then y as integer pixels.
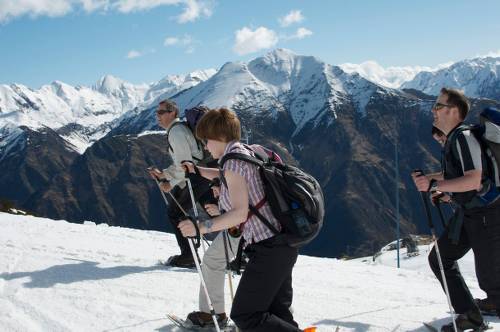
{"type": "Point", "coordinates": [264, 296]}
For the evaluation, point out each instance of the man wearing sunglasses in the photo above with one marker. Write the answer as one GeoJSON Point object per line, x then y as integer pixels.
{"type": "Point", "coordinates": [474, 225]}
{"type": "Point", "coordinates": [182, 146]}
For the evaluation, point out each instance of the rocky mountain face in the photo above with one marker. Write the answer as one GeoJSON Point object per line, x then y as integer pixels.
{"type": "Point", "coordinates": [340, 127]}
{"type": "Point", "coordinates": [108, 183]}
{"type": "Point", "coordinates": [29, 161]}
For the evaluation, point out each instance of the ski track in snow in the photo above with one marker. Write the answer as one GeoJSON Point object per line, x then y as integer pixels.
{"type": "Point", "coordinates": [58, 276]}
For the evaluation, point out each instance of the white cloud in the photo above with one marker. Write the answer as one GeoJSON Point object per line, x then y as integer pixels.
{"type": "Point", "coordinates": [248, 41]}
{"type": "Point", "coordinates": [294, 16]}
{"type": "Point", "coordinates": [392, 77]}
{"type": "Point", "coordinates": [169, 41]}
{"type": "Point", "coordinates": [134, 54]}
{"type": "Point", "coordinates": [195, 9]}
{"type": "Point", "coordinates": [187, 42]}
{"type": "Point", "coordinates": [10, 9]}
{"type": "Point", "coordinates": [301, 33]}
{"type": "Point", "coordinates": [128, 6]}
{"type": "Point", "coordinates": [94, 5]}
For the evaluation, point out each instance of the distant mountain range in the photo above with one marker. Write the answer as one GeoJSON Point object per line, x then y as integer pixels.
{"type": "Point", "coordinates": [479, 78]}
{"type": "Point", "coordinates": [81, 153]}
{"type": "Point", "coordinates": [83, 115]}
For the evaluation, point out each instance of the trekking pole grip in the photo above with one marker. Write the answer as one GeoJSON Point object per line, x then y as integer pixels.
{"type": "Point", "coordinates": [188, 174]}
{"type": "Point", "coordinates": [197, 237]}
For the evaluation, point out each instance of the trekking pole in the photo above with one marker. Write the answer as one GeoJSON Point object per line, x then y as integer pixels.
{"type": "Point", "coordinates": [195, 258]}
{"type": "Point", "coordinates": [228, 267]}
{"type": "Point", "coordinates": [228, 264]}
{"type": "Point", "coordinates": [202, 280]}
{"type": "Point", "coordinates": [425, 200]}
{"type": "Point", "coordinates": [225, 236]}
{"type": "Point", "coordinates": [171, 196]}
{"type": "Point", "coordinates": [178, 205]}
{"type": "Point", "coordinates": [195, 207]}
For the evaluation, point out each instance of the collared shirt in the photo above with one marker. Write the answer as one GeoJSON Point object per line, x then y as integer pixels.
{"type": "Point", "coordinates": [254, 230]}
{"type": "Point", "coordinates": [183, 147]}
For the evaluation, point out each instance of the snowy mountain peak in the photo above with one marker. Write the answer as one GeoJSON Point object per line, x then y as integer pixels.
{"type": "Point", "coordinates": [109, 84]}
{"type": "Point", "coordinates": [200, 75]}
{"type": "Point", "coordinates": [303, 86]}
{"type": "Point", "coordinates": [478, 77]}
{"type": "Point", "coordinates": [173, 84]}
{"type": "Point", "coordinates": [279, 60]}
{"type": "Point", "coordinates": [281, 53]}
{"type": "Point", "coordinates": [81, 114]}
{"type": "Point", "coordinates": [391, 77]}
{"type": "Point", "coordinates": [63, 90]}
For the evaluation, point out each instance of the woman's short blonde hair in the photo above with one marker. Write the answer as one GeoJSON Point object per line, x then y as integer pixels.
{"type": "Point", "coordinates": [220, 125]}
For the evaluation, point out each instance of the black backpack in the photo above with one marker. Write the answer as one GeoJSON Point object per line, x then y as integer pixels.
{"type": "Point", "coordinates": [193, 115]}
{"type": "Point", "coordinates": [295, 197]}
{"type": "Point", "coordinates": [487, 132]}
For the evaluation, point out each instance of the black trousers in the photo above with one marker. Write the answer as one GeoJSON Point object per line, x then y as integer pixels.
{"type": "Point", "coordinates": [203, 194]}
{"type": "Point", "coordinates": [481, 233]}
{"type": "Point", "coordinates": [264, 295]}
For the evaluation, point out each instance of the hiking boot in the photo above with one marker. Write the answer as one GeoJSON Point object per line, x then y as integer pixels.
{"type": "Point", "coordinates": [486, 306]}
{"type": "Point", "coordinates": [472, 320]}
{"type": "Point", "coordinates": [310, 329]}
{"type": "Point", "coordinates": [184, 261]}
{"type": "Point", "coordinates": [204, 319]}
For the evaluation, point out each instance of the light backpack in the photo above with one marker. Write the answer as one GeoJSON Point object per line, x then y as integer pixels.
{"type": "Point", "coordinates": [192, 117]}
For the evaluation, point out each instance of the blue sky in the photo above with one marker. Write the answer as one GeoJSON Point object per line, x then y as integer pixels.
{"type": "Point", "coordinates": [78, 41]}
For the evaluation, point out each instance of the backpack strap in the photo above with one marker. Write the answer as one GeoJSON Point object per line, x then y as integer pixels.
{"type": "Point", "coordinates": [488, 192]}
{"type": "Point", "coordinates": [240, 156]}
{"type": "Point", "coordinates": [236, 156]}
{"type": "Point", "coordinates": [263, 219]}
{"type": "Point", "coordinates": [198, 143]}
{"type": "Point", "coordinates": [451, 142]}
{"type": "Point", "coordinates": [254, 210]}
{"type": "Point", "coordinates": [169, 147]}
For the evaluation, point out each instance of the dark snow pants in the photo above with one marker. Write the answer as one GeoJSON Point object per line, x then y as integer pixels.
{"type": "Point", "coordinates": [264, 295]}
{"type": "Point", "coordinates": [481, 233]}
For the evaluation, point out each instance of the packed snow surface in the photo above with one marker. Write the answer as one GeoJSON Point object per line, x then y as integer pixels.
{"type": "Point", "coordinates": [59, 276]}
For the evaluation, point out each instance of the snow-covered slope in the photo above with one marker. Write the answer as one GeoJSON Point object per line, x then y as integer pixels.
{"type": "Point", "coordinates": [81, 114]}
{"type": "Point", "coordinates": [57, 276]}
{"type": "Point", "coordinates": [479, 77]}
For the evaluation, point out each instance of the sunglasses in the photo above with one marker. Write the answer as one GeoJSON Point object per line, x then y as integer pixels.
{"type": "Point", "coordinates": [438, 106]}
{"type": "Point", "coordinates": [160, 112]}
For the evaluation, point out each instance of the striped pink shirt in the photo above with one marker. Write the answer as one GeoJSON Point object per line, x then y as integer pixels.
{"type": "Point", "coordinates": [254, 230]}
